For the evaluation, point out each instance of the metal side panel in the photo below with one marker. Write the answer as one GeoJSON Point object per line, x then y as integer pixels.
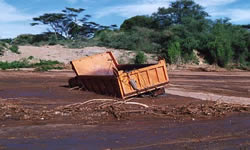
{"type": "Point", "coordinates": [100, 64]}
{"type": "Point", "coordinates": [106, 85]}
{"type": "Point", "coordinates": [144, 79]}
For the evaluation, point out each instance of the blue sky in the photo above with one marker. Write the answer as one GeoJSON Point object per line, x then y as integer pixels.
{"type": "Point", "coordinates": [16, 15]}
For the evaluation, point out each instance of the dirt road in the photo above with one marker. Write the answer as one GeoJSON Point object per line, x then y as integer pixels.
{"type": "Point", "coordinates": [40, 111]}
{"type": "Point", "coordinates": [229, 87]}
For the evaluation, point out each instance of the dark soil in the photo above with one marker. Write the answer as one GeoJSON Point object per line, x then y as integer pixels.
{"type": "Point", "coordinates": [29, 99]}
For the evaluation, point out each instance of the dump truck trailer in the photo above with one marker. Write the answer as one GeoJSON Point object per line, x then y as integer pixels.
{"type": "Point", "coordinates": [102, 74]}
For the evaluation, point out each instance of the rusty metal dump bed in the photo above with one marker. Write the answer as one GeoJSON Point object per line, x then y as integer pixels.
{"type": "Point", "coordinates": [102, 74]}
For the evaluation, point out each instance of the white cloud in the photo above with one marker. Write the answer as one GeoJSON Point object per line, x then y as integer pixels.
{"type": "Point", "coordinates": [240, 15]}
{"type": "Point", "coordinates": [12, 30]}
{"type": "Point", "coordinates": [237, 16]}
{"type": "Point", "coordinates": [213, 7]}
{"type": "Point", "coordinates": [11, 14]}
{"type": "Point", "coordinates": [145, 7]}
{"type": "Point", "coordinates": [72, 1]}
{"type": "Point", "coordinates": [208, 3]}
{"type": "Point", "coordinates": [13, 22]}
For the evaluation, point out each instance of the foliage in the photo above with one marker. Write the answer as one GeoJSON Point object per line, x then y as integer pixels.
{"type": "Point", "coordinates": [137, 21]}
{"type": "Point", "coordinates": [6, 41]}
{"type": "Point", "coordinates": [45, 65]}
{"type": "Point", "coordinates": [30, 57]}
{"type": "Point", "coordinates": [227, 44]}
{"type": "Point", "coordinates": [173, 33]}
{"type": "Point", "coordinates": [69, 23]}
{"type": "Point", "coordinates": [15, 64]}
{"type": "Point", "coordinates": [39, 39]}
{"type": "Point", "coordinates": [174, 53]}
{"type": "Point", "coordinates": [1, 50]}
{"type": "Point", "coordinates": [136, 38]}
{"type": "Point", "coordinates": [178, 12]}
{"type": "Point", "coordinates": [3, 45]}
{"type": "Point", "coordinates": [140, 58]}
{"type": "Point", "coordinates": [14, 49]}
{"type": "Point", "coordinates": [42, 65]}
{"type": "Point", "coordinates": [24, 39]}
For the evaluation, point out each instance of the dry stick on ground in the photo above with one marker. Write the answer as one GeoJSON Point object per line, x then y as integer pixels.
{"type": "Point", "coordinates": [124, 103]}
{"type": "Point", "coordinates": [106, 100]}
{"type": "Point", "coordinates": [111, 105]}
{"type": "Point", "coordinates": [86, 102]}
{"type": "Point", "coordinates": [136, 103]}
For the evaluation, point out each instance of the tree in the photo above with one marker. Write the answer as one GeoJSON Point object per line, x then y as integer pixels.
{"type": "Point", "coordinates": [174, 53]}
{"type": "Point", "coordinates": [137, 21]}
{"type": "Point", "coordinates": [220, 43]}
{"type": "Point", "coordinates": [177, 12]}
{"type": "Point", "coordinates": [246, 26]}
{"type": "Point", "coordinates": [175, 32]}
{"type": "Point", "coordinates": [69, 23]}
{"type": "Point", "coordinates": [54, 20]}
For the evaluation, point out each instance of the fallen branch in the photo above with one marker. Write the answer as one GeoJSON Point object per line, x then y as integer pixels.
{"type": "Point", "coordinates": [86, 102]}
{"type": "Point", "coordinates": [133, 111]}
{"type": "Point", "coordinates": [136, 103]}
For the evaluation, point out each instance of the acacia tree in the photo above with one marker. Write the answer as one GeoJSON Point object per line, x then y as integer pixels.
{"type": "Point", "coordinates": [53, 20]}
{"type": "Point", "coordinates": [69, 23]}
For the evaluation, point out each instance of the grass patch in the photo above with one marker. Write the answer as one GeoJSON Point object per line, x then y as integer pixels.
{"type": "Point", "coordinates": [45, 65]}
{"type": "Point", "coordinates": [42, 65]}
{"type": "Point", "coordinates": [14, 64]}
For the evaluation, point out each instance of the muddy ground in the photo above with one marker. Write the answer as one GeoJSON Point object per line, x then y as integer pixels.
{"type": "Point", "coordinates": [40, 111]}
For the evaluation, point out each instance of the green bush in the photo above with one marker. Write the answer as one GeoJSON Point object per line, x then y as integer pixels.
{"type": "Point", "coordinates": [3, 44]}
{"type": "Point", "coordinates": [42, 65]}
{"type": "Point", "coordinates": [174, 53]}
{"type": "Point", "coordinates": [14, 49]}
{"type": "Point", "coordinates": [6, 41]}
{"type": "Point", "coordinates": [1, 50]}
{"type": "Point", "coordinates": [47, 68]}
{"type": "Point", "coordinates": [221, 52]}
{"type": "Point", "coordinates": [14, 65]}
{"type": "Point", "coordinates": [220, 43]}
{"type": "Point", "coordinates": [45, 65]}
{"type": "Point", "coordinates": [81, 43]}
{"type": "Point", "coordinates": [30, 57]}
{"type": "Point", "coordinates": [140, 58]}
{"type": "Point", "coordinates": [24, 39]}
{"type": "Point", "coordinates": [136, 38]}
{"type": "Point", "coordinates": [46, 38]}
{"type": "Point", "coordinates": [190, 58]}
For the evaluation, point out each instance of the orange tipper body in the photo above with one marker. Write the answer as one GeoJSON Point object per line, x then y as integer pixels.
{"type": "Point", "coordinates": [102, 74]}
